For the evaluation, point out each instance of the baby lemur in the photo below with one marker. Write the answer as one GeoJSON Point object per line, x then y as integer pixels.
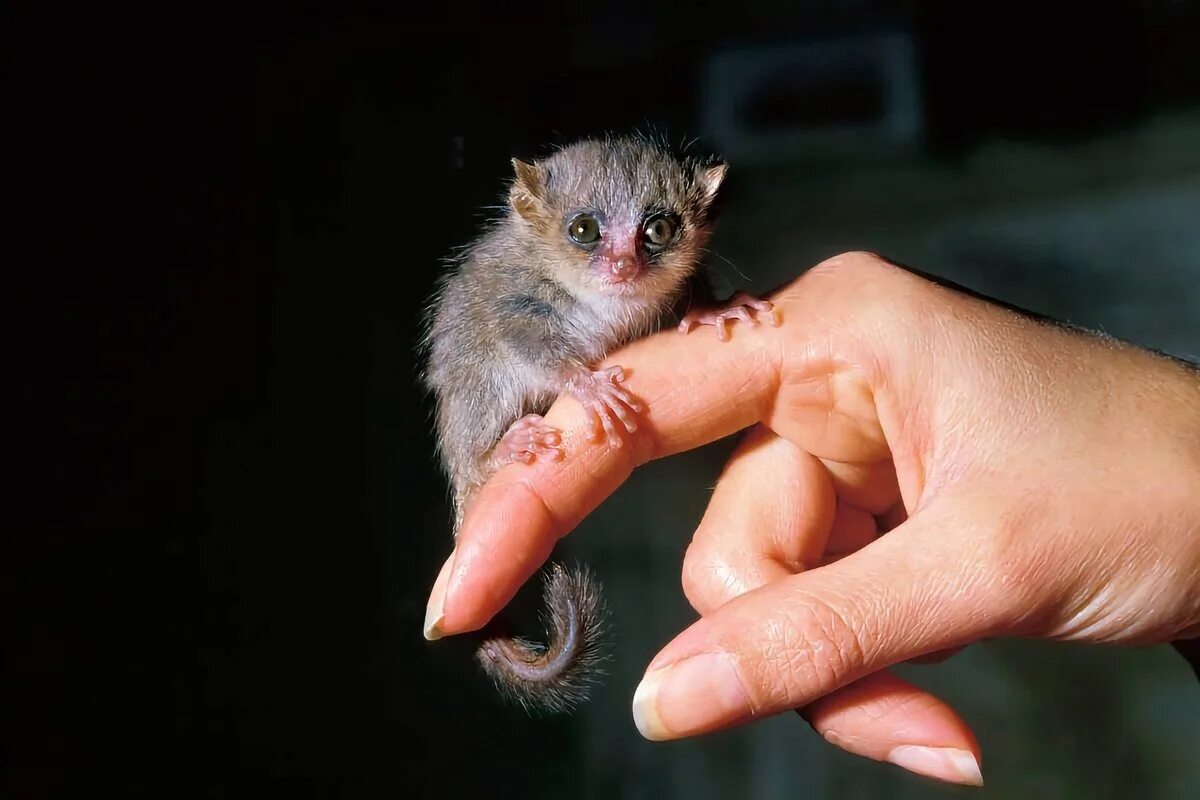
{"type": "Point", "coordinates": [600, 244]}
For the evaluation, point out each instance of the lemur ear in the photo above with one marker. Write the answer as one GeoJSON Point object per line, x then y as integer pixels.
{"type": "Point", "coordinates": [709, 180]}
{"type": "Point", "coordinates": [527, 190]}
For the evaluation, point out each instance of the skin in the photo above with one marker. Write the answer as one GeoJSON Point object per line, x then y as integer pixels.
{"type": "Point", "coordinates": [922, 470]}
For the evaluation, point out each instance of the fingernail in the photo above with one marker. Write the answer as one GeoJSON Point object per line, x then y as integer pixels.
{"type": "Point", "coordinates": [437, 597]}
{"type": "Point", "coordinates": [688, 697]}
{"type": "Point", "coordinates": [944, 763]}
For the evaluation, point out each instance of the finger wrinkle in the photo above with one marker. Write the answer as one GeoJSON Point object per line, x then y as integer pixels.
{"type": "Point", "coordinates": [767, 399]}
{"type": "Point", "coordinates": [827, 630]}
{"type": "Point", "coordinates": [556, 523]}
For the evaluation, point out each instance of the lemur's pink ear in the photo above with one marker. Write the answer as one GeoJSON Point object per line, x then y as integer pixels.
{"type": "Point", "coordinates": [709, 180]}
{"type": "Point", "coordinates": [526, 193]}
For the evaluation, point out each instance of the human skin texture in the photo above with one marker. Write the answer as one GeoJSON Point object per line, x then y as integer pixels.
{"type": "Point", "coordinates": [921, 470]}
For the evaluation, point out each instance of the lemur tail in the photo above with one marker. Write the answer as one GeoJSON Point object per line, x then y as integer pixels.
{"type": "Point", "coordinates": [553, 677]}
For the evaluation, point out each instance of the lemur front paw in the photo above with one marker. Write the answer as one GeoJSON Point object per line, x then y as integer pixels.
{"type": "Point", "coordinates": [742, 307]}
{"type": "Point", "coordinates": [607, 402]}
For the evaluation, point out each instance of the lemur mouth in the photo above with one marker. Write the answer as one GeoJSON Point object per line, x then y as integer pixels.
{"type": "Point", "coordinates": [627, 290]}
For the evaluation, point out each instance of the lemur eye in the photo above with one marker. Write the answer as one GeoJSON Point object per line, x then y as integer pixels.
{"type": "Point", "coordinates": [584, 229]}
{"type": "Point", "coordinates": [658, 231]}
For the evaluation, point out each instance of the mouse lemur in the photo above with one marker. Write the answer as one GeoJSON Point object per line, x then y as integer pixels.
{"type": "Point", "coordinates": [600, 244]}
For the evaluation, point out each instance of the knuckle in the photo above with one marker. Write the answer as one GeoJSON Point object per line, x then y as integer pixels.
{"type": "Point", "coordinates": [854, 263]}
{"type": "Point", "coordinates": [700, 570]}
{"type": "Point", "coordinates": [872, 281]}
{"type": "Point", "coordinates": [804, 654]}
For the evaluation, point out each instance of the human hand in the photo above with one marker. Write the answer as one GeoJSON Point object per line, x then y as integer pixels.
{"type": "Point", "coordinates": [1030, 480]}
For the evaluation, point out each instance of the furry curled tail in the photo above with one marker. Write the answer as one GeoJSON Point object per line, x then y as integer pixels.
{"type": "Point", "coordinates": [554, 677]}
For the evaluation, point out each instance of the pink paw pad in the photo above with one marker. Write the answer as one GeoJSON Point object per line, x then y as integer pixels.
{"type": "Point", "coordinates": [528, 438]}
{"type": "Point", "coordinates": [607, 402]}
{"type": "Point", "coordinates": [742, 307]}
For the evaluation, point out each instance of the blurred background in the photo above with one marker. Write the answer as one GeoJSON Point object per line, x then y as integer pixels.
{"type": "Point", "coordinates": [236, 216]}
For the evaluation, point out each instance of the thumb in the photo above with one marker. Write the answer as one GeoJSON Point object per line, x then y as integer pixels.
{"type": "Point", "coordinates": [916, 590]}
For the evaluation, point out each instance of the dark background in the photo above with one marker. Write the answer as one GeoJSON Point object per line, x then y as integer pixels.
{"type": "Point", "coordinates": [232, 516]}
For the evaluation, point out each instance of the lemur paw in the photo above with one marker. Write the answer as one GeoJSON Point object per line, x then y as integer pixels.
{"type": "Point", "coordinates": [607, 402]}
{"type": "Point", "coordinates": [742, 307]}
{"type": "Point", "coordinates": [526, 440]}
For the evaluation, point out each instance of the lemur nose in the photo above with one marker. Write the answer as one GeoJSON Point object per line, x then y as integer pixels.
{"type": "Point", "coordinates": [625, 268]}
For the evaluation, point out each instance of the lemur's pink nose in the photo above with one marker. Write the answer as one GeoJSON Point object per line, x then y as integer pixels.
{"type": "Point", "coordinates": [624, 268]}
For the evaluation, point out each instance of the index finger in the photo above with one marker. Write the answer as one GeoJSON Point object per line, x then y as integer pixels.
{"type": "Point", "coordinates": [696, 390]}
